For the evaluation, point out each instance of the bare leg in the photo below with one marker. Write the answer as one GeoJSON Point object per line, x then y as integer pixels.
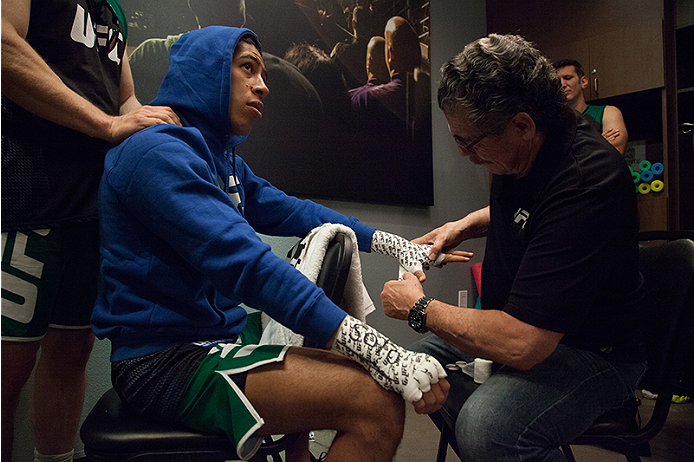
{"type": "Point", "coordinates": [316, 390]}
{"type": "Point", "coordinates": [298, 452]}
{"type": "Point", "coordinates": [59, 386]}
{"type": "Point", "coordinates": [18, 360]}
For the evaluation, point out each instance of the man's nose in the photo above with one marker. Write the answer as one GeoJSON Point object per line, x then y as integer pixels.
{"type": "Point", "coordinates": [260, 88]}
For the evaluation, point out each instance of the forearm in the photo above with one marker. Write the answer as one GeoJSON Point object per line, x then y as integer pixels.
{"type": "Point", "coordinates": [614, 121]}
{"type": "Point", "coordinates": [475, 224]}
{"type": "Point", "coordinates": [491, 334]}
{"type": "Point", "coordinates": [129, 101]}
{"type": "Point", "coordinates": [129, 105]}
{"type": "Point", "coordinates": [30, 82]}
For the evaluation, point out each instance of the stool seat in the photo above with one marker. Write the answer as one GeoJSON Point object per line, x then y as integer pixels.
{"type": "Point", "coordinates": [114, 432]}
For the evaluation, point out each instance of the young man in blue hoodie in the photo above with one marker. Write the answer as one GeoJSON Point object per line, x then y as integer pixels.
{"type": "Point", "coordinates": [180, 212]}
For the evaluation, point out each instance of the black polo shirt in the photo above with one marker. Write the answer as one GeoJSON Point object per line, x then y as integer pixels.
{"type": "Point", "coordinates": [561, 249]}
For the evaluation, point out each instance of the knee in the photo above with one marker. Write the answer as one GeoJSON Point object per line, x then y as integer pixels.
{"type": "Point", "coordinates": [70, 349]}
{"type": "Point", "coordinates": [390, 415]}
{"type": "Point", "coordinates": [494, 433]}
{"type": "Point", "coordinates": [483, 434]}
{"type": "Point", "coordinates": [383, 419]}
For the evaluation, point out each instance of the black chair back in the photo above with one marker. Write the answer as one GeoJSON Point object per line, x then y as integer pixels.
{"type": "Point", "coordinates": [669, 277]}
{"type": "Point", "coordinates": [335, 269]}
{"type": "Point", "coordinates": [668, 271]}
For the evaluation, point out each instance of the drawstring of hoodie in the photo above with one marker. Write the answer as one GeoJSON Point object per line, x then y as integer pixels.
{"type": "Point", "coordinates": [233, 164]}
{"type": "Point", "coordinates": [236, 196]}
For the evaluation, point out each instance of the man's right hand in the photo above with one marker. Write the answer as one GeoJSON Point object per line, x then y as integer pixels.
{"type": "Point", "coordinates": [611, 135]}
{"type": "Point", "coordinates": [125, 125]}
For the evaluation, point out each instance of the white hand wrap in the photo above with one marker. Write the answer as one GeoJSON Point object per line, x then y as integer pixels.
{"type": "Point", "coordinates": [393, 367]}
{"type": "Point", "coordinates": [412, 257]}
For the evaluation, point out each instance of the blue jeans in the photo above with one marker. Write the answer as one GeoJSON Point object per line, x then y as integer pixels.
{"type": "Point", "coordinates": [526, 415]}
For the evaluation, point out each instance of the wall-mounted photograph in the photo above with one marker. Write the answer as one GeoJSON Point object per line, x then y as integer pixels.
{"type": "Point", "coordinates": [348, 116]}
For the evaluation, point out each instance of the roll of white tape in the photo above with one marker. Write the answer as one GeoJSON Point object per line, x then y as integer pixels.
{"type": "Point", "coordinates": [483, 370]}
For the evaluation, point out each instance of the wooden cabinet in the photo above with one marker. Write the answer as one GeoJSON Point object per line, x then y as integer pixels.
{"type": "Point", "coordinates": [618, 62]}
{"type": "Point", "coordinates": [626, 60]}
{"type": "Point", "coordinates": [618, 42]}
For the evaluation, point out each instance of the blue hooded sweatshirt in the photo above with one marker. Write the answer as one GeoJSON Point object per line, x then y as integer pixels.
{"type": "Point", "coordinates": [179, 214]}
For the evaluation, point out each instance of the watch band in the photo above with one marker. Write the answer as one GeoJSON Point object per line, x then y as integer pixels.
{"type": "Point", "coordinates": [417, 318]}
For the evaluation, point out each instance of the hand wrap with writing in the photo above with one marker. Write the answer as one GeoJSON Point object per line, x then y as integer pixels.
{"type": "Point", "coordinates": [412, 257]}
{"type": "Point", "coordinates": [392, 366]}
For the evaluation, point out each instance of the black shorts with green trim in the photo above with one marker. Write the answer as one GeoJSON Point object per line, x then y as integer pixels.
{"type": "Point", "coordinates": [201, 386]}
{"type": "Point", "coordinates": [49, 278]}
{"type": "Point", "coordinates": [214, 401]}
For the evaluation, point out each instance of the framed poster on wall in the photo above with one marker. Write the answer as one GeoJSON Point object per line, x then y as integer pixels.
{"type": "Point", "coordinates": [333, 126]}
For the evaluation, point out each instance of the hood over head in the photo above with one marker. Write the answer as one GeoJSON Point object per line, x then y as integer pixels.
{"type": "Point", "coordinates": [197, 84]}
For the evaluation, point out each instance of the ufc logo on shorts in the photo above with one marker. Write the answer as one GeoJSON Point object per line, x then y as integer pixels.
{"type": "Point", "coordinates": [19, 290]}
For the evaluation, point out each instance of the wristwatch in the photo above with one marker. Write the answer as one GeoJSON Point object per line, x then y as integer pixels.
{"type": "Point", "coordinates": [418, 317]}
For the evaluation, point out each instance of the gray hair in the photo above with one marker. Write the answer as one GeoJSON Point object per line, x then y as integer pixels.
{"type": "Point", "coordinates": [498, 76]}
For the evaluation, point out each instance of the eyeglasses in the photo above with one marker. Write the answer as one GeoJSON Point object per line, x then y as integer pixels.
{"type": "Point", "coordinates": [470, 147]}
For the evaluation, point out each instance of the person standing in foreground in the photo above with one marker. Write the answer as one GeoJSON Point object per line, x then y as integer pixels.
{"type": "Point", "coordinates": [608, 120]}
{"type": "Point", "coordinates": [561, 288]}
{"type": "Point", "coordinates": [67, 97]}
{"type": "Point", "coordinates": [180, 212]}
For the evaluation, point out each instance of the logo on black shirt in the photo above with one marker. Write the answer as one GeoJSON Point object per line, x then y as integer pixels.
{"type": "Point", "coordinates": [520, 218]}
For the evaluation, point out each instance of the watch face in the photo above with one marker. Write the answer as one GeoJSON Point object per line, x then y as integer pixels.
{"type": "Point", "coordinates": [416, 319]}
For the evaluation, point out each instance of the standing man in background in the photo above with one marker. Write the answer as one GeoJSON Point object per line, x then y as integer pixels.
{"type": "Point", "coordinates": [67, 97]}
{"type": "Point", "coordinates": [607, 120]}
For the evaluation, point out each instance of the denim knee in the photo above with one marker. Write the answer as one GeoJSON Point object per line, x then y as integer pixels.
{"type": "Point", "coordinates": [486, 433]}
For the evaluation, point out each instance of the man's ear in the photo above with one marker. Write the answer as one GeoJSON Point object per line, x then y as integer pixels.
{"type": "Point", "coordinates": [390, 56]}
{"type": "Point", "coordinates": [525, 125]}
{"type": "Point", "coordinates": [584, 81]}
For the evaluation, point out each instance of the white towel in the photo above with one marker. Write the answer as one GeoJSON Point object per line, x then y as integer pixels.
{"type": "Point", "coordinates": [311, 251]}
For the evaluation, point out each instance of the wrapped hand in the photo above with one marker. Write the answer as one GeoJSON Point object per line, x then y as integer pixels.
{"type": "Point", "coordinates": [408, 373]}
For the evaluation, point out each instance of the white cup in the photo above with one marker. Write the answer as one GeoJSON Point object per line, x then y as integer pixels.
{"type": "Point", "coordinates": [483, 370]}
